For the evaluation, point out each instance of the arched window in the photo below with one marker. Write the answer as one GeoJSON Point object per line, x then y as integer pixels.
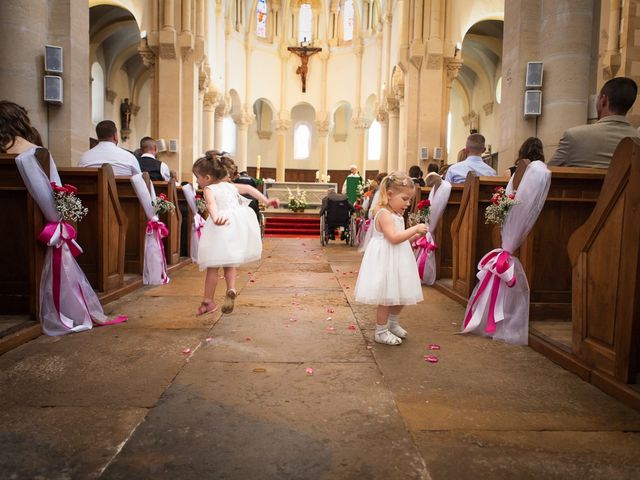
{"type": "Point", "coordinates": [301, 141]}
{"type": "Point", "coordinates": [97, 93]}
{"type": "Point", "coordinates": [499, 90]}
{"type": "Point", "coordinates": [229, 135]}
{"type": "Point", "coordinates": [305, 23]}
{"type": "Point", "coordinates": [261, 19]}
{"type": "Point", "coordinates": [375, 141]}
{"type": "Point", "coordinates": [347, 19]}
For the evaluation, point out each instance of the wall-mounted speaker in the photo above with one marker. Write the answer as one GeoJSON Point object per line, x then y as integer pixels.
{"type": "Point", "coordinates": [424, 153]}
{"type": "Point", "coordinates": [53, 59]}
{"type": "Point", "coordinates": [161, 143]}
{"type": "Point", "coordinates": [53, 89]}
{"type": "Point", "coordinates": [437, 153]}
{"type": "Point", "coordinates": [173, 145]}
{"type": "Point", "coordinates": [533, 102]}
{"type": "Point", "coordinates": [534, 75]}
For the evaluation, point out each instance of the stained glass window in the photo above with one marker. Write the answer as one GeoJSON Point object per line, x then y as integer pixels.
{"type": "Point", "coordinates": [261, 19]}
{"type": "Point", "coordinates": [347, 19]}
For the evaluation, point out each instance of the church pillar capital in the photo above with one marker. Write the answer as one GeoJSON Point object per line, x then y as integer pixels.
{"type": "Point", "coordinates": [393, 106]}
{"type": "Point", "coordinates": [323, 127]}
{"type": "Point", "coordinates": [453, 66]}
{"type": "Point", "coordinates": [245, 119]}
{"type": "Point", "coordinates": [223, 107]}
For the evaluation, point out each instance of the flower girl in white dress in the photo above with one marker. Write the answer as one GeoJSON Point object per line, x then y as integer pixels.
{"type": "Point", "coordinates": [231, 234]}
{"type": "Point", "coordinates": [388, 275]}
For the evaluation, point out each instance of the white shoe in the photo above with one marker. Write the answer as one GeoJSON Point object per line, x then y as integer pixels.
{"type": "Point", "coordinates": [386, 337]}
{"type": "Point", "coordinates": [398, 331]}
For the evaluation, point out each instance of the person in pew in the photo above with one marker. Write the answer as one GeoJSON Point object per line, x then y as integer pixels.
{"type": "Point", "coordinates": [231, 234]}
{"type": "Point", "coordinates": [17, 135]}
{"type": "Point", "coordinates": [388, 275]}
{"type": "Point", "coordinates": [416, 175]}
{"type": "Point", "coordinates": [532, 150]}
{"type": "Point", "coordinates": [593, 145]}
{"type": "Point", "coordinates": [124, 163]}
{"type": "Point", "coordinates": [457, 173]}
{"type": "Point", "coordinates": [158, 171]}
{"type": "Point", "coordinates": [432, 175]}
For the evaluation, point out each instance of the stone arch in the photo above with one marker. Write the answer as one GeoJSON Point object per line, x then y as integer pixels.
{"type": "Point", "coordinates": [264, 113]}
{"type": "Point", "coordinates": [341, 115]}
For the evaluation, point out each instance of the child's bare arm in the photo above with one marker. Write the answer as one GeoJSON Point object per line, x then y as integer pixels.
{"type": "Point", "coordinates": [212, 208]}
{"type": "Point", "coordinates": [385, 225]}
{"type": "Point", "coordinates": [255, 193]}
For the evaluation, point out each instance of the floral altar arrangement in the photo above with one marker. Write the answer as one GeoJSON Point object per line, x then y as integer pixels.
{"type": "Point", "coordinates": [163, 205]}
{"type": "Point", "coordinates": [200, 204]}
{"type": "Point", "coordinates": [422, 213]}
{"type": "Point", "coordinates": [68, 206]}
{"type": "Point", "coordinates": [501, 204]}
{"type": "Point", "coordinates": [298, 200]}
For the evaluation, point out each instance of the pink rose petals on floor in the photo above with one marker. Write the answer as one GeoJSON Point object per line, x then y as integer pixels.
{"type": "Point", "coordinates": [330, 310]}
{"type": "Point", "coordinates": [430, 358]}
{"type": "Point", "coordinates": [352, 328]}
{"type": "Point", "coordinates": [309, 371]}
{"type": "Point", "coordinates": [186, 351]}
{"type": "Point", "coordinates": [247, 339]}
{"type": "Point", "coordinates": [433, 346]}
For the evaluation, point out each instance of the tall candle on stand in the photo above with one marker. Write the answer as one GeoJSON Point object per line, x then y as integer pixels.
{"type": "Point", "coordinates": [258, 166]}
{"type": "Point", "coordinates": [317, 175]}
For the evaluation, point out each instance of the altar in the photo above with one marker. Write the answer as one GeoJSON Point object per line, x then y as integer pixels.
{"type": "Point", "coordinates": [314, 191]}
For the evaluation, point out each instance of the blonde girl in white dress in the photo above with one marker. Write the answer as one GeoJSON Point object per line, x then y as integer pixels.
{"type": "Point", "coordinates": [388, 275]}
{"type": "Point", "coordinates": [231, 234]}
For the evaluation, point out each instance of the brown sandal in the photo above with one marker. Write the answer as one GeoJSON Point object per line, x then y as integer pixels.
{"type": "Point", "coordinates": [207, 306]}
{"type": "Point", "coordinates": [229, 301]}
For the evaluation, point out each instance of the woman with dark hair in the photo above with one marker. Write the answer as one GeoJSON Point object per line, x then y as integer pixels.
{"type": "Point", "coordinates": [17, 135]}
{"type": "Point", "coordinates": [532, 149]}
{"type": "Point", "coordinates": [416, 175]}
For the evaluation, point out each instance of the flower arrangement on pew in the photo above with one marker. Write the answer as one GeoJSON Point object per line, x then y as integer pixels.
{"type": "Point", "coordinates": [422, 213]}
{"type": "Point", "coordinates": [501, 203]}
{"type": "Point", "coordinates": [200, 204]}
{"type": "Point", "coordinates": [163, 205]}
{"type": "Point", "coordinates": [298, 200]}
{"type": "Point", "coordinates": [68, 206]}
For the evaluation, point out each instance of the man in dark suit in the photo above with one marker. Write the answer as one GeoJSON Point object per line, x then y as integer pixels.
{"type": "Point", "coordinates": [158, 171]}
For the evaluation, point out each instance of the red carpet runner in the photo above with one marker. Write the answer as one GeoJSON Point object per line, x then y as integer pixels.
{"type": "Point", "coordinates": [280, 226]}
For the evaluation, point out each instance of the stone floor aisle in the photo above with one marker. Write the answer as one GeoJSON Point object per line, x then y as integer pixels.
{"type": "Point", "coordinates": [125, 402]}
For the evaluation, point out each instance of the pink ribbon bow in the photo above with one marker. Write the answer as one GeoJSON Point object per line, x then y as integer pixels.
{"type": "Point", "coordinates": [198, 224]}
{"type": "Point", "coordinates": [57, 235]}
{"type": "Point", "coordinates": [496, 268]}
{"type": "Point", "coordinates": [425, 245]}
{"type": "Point", "coordinates": [159, 230]}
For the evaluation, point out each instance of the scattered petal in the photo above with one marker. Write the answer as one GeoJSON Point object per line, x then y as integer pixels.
{"type": "Point", "coordinates": [186, 351]}
{"type": "Point", "coordinates": [434, 346]}
{"type": "Point", "coordinates": [330, 310]}
{"type": "Point", "coordinates": [247, 339]}
{"type": "Point", "coordinates": [369, 347]}
{"type": "Point", "coordinates": [293, 320]}
{"type": "Point", "coordinates": [431, 358]}
{"type": "Point", "coordinates": [331, 329]}
{"type": "Point", "coordinates": [208, 339]}
{"type": "Point", "coordinates": [259, 370]}
{"type": "Point", "coordinates": [352, 328]}
{"type": "Point", "coordinates": [309, 371]}
{"type": "Point", "coordinates": [252, 281]}
{"type": "Point", "coordinates": [329, 319]}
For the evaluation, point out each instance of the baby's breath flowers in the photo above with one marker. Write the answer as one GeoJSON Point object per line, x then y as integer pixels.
{"type": "Point", "coordinates": [68, 206]}
{"type": "Point", "coordinates": [501, 203]}
{"type": "Point", "coordinates": [163, 205]}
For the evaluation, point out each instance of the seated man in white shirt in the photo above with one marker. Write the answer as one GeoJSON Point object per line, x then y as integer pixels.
{"type": "Point", "coordinates": [158, 171]}
{"type": "Point", "coordinates": [124, 163]}
{"type": "Point", "coordinates": [457, 173]}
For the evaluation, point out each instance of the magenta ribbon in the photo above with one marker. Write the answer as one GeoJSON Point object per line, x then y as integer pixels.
{"type": "Point", "coordinates": [56, 235]}
{"type": "Point", "coordinates": [159, 231]}
{"type": "Point", "coordinates": [198, 224]}
{"type": "Point", "coordinates": [425, 246]}
{"type": "Point", "coordinates": [496, 267]}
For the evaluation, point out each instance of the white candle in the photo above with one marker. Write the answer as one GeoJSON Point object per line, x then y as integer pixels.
{"type": "Point", "coordinates": [328, 178]}
{"type": "Point", "coordinates": [317, 174]}
{"type": "Point", "coordinates": [258, 159]}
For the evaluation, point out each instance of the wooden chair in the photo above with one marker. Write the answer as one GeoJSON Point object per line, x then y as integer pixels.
{"type": "Point", "coordinates": [102, 232]}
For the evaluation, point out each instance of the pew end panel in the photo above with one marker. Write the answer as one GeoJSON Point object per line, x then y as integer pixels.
{"type": "Point", "coordinates": [136, 224]}
{"type": "Point", "coordinates": [444, 253]}
{"type": "Point", "coordinates": [605, 256]}
{"type": "Point", "coordinates": [172, 221]}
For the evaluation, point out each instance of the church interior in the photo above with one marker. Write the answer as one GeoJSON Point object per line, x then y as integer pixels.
{"type": "Point", "coordinates": [293, 382]}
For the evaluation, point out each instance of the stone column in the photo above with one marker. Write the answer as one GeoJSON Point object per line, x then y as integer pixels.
{"type": "Point", "coordinates": [383, 120]}
{"type": "Point", "coordinates": [323, 127]}
{"type": "Point", "coordinates": [282, 127]}
{"type": "Point", "coordinates": [242, 122]}
{"type": "Point", "coordinates": [361, 126]}
{"type": "Point", "coordinates": [394, 111]}
{"type": "Point", "coordinates": [149, 61]}
{"type": "Point", "coordinates": [402, 139]}
{"type": "Point", "coordinates": [452, 67]}
{"type": "Point", "coordinates": [210, 102]}
{"type": "Point", "coordinates": [222, 110]}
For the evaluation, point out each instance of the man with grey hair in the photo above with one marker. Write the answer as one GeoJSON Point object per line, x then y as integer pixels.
{"type": "Point", "coordinates": [457, 173]}
{"type": "Point", "coordinates": [353, 169]}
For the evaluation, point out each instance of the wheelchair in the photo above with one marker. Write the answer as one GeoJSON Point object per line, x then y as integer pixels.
{"type": "Point", "coordinates": [337, 214]}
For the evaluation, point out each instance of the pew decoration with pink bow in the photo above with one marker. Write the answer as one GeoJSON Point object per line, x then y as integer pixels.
{"type": "Point", "coordinates": [198, 220]}
{"type": "Point", "coordinates": [499, 304]}
{"type": "Point", "coordinates": [67, 301]}
{"type": "Point", "coordinates": [155, 262]}
{"type": "Point", "coordinates": [426, 247]}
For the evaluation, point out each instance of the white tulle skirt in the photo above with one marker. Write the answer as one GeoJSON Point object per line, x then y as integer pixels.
{"type": "Point", "coordinates": [388, 274]}
{"type": "Point", "coordinates": [233, 244]}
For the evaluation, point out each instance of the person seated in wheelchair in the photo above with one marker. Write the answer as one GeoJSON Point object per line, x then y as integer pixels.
{"type": "Point", "coordinates": [337, 211]}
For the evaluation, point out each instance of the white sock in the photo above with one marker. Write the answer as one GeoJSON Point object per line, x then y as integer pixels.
{"type": "Point", "coordinates": [395, 328]}
{"type": "Point", "coordinates": [380, 328]}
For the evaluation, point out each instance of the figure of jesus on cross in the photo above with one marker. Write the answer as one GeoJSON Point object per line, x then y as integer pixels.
{"type": "Point", "coordinates": [304, 52]}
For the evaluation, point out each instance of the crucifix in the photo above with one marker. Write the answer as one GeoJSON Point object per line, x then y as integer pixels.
{"type": "Point", "coordinates": [304, 52]}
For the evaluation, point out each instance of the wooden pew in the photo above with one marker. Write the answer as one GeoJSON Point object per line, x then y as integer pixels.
{"type": "Point", "coordinates": [102, 232]}
{"type": "Point", "coordinates": [605, 257]}
{"type": "Point", "coordinates": [470, 237]}
{"type": "Point", "coordinates": [21, 221]}
{"type": "Point", "coordinates": [571, 199]}
{"type": "Point", "coordinates": [136, 225]}
{"type": "Point", "coordinates": [172, 221]}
